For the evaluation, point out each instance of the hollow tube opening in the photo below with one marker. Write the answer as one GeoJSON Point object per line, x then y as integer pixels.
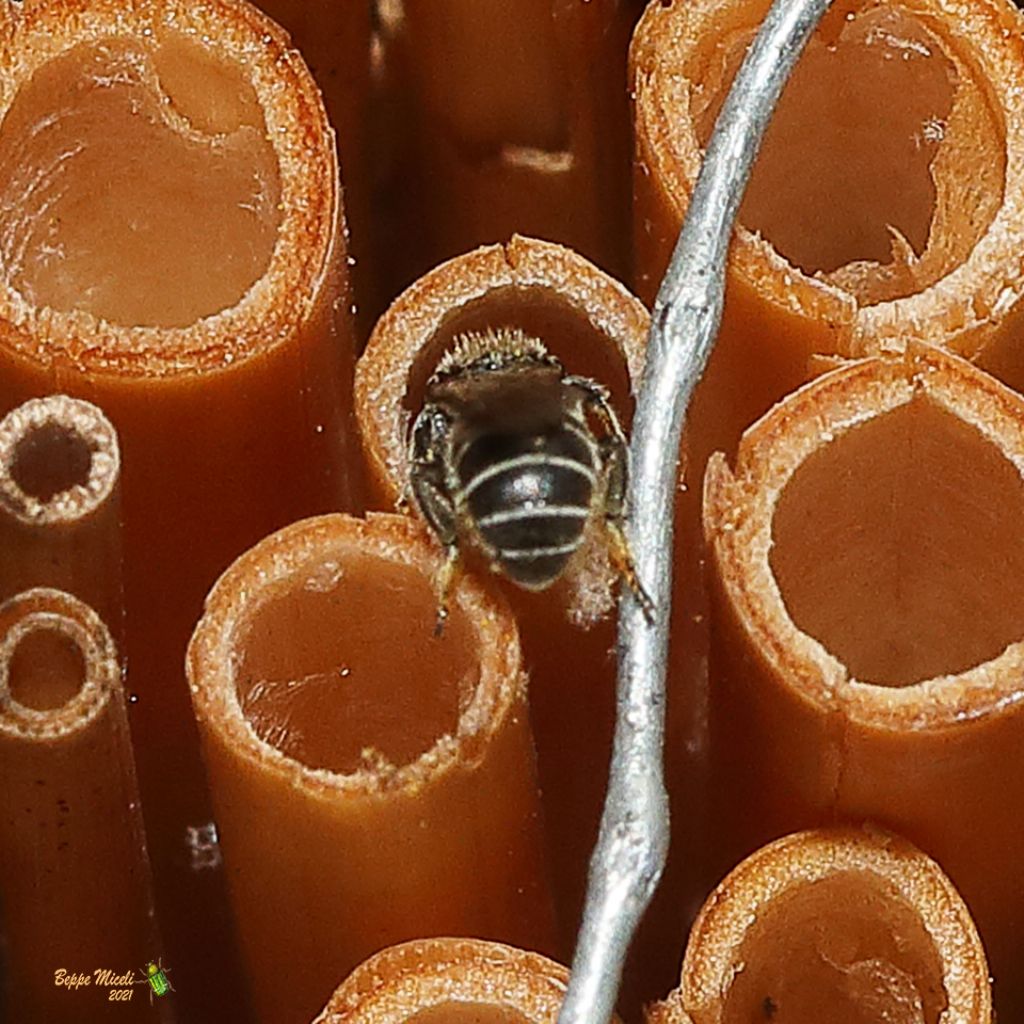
{"type": "Point", "coordinates": [46, 669]}
{"type": "Point", "coordinates": [340, 669]}
{"type": "Point", "coordinates": [58, 665]}
{"type": "Point", "coordinates": [899, 545]}
{"type": "Point", "coordinates": [108, 156]}
{"type": "Point", "coordinates": [845, 949]}
{"type": "Point", "coordinates": [50, 460]}
{"type": "Point", "coordinates": [59, 460]}
{"type": "Point", "coordinates": [459, 1012]}
{"type": "Point", "coordinates": [884, 163]}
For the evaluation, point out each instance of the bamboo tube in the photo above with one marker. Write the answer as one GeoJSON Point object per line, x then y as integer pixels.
{"type": "Point", "coordinates": [848, 925]}
{"type": "Point", "coordinates": [210, 323]}
{"type": "Point", "coordinates": [597, 329]}
{"type": "Point", "coordinates": [868, 645]}
{"type": "Point", "coordinates": [520, 123]}
{"type": "Point", "coordinates": [391, 772]}
{"type": "Point", "coordinates": [886, 201]}
{"type": "Point", "coordinates": [60, 522]}
{"type": "Point", "coordinates": [334, 40]}
{"type": "Point", "coordinates": [457, 981]}
{"type": "Point", "coordinates": [75, 894]}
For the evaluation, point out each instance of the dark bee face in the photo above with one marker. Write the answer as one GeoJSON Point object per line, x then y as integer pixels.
{"type": "Point", "coordinates": [529, 498]}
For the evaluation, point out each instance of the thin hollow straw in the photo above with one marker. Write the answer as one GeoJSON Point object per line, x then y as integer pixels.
{"type": "Point", "coordinates": [633, 842]}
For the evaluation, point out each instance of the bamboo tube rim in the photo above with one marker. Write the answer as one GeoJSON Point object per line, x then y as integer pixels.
{"type": "Point", "coordinates": [961, 309]}
{"type": "Point", "coordinates": [89, 426]}
{"type": "Point", "coordinates": [738, 512]}
{"type": "Point", "coordinates": [429, 972]}
{"type": "Point", "coordinates": [45, 609]}
{"type": "Point", "coordinates": [211, 660]}
{"type": "Point", "coordinates": [404, 333]}
{"type": "Point", "coordinates": [309, 237]}
{"type": "Point", "coordinates": [807, 857]}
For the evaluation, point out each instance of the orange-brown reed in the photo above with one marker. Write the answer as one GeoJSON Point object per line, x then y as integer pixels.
{"type": "Point", "coordinates": [868, 641]}
{"type": "Point", "coordinates": [75, 894]}
{"type": "Point", "coordinates": [456, 981]}
{"type": "Point", "coordinates": [373, 782]}
{"type": "Point", "coordinates": [850, 925]}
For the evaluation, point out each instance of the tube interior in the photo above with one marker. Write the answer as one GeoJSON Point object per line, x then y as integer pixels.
{"type": "Point", "coordinates": [49, 460]}
{"type": "Point", "coordinates": [137, 183]}
{"type": "Point", "coordinates": [884, 163]}
{"type": "Point", "coordinates": [899, 546]}
{"type": "Point", "coordinates": [846, 949]}
{"type": "Point", "coordinates": [46, 669]}
{"type": "Point", "coordinates": [341, 670]}
{"type": "Point", "coordinates": [468, 1013]}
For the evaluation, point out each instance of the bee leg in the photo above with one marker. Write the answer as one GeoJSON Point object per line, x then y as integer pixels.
{"type": "Point", "coordinates": [445, 581]}
{"type": "Point", "coordinates": [614, 454]}
{"type": "Point", "coordinates": [622, 559]}
{"type": "Point", "coordinates": [429, 487]}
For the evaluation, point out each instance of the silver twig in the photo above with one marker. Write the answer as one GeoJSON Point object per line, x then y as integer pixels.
{"type": "Point", "coordinates": [630, 853]}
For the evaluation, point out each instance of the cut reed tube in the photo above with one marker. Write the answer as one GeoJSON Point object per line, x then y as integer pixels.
{"type": "Point", "coordinates": [211, 324]}
{"type": "Point", "coordinates": [849, 925]}
{"type": "Point", "coordinates": [391, 772]}
{"type": "Point", "coordinates": [334, 40]}
{"type": "Point", "coordinates": [520, 123]}
{"type": "Point", "coordinates": [887, 198]}
{"type": "Point", "coordinates": [868, 643]}
{"type": "Point", "coordinates": [450, 981]}
{"type": "Point", "coordinates": [597, 329]}
{"type": "Point", "coordinates": [60, 523]}
{"type": "Point", "coordinates": [74, 877]}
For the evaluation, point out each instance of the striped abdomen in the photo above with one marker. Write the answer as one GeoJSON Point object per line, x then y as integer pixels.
{"type": "Point", "coordinates": [530, 499]}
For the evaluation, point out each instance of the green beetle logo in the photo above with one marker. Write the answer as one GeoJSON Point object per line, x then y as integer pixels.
{"type": "Point", "coordinates": [154, 974]}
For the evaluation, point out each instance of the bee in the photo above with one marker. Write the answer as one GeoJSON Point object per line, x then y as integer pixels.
{"type": "Point", "coordinates": [514, 457]}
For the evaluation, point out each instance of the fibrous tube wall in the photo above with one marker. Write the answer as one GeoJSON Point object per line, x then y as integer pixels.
{"type": "Point", "coordinates": [392, 771]}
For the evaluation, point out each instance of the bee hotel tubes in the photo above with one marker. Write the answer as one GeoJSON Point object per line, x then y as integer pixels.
{"type": "Point", "coordinates": [596, 328]}
{"type": "Point", "coordinates": [60, 508]}
{"type": "Point", "coordinates": [209, 323]}
{"type": "Point", "coordinates": [902, 216]}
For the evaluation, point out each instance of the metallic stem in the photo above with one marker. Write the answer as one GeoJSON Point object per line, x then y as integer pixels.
{"type": "Point", "coordinates": [633, 843]}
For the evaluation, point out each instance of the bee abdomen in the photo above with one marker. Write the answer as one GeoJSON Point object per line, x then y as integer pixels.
{"type": "Point", "coordinates": [544, 530]}
{"type": "Point", "coordinates": [530, 510]}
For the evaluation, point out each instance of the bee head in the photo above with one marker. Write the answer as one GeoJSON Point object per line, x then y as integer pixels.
{"type": "Point", "coordinates": [492, 349]}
